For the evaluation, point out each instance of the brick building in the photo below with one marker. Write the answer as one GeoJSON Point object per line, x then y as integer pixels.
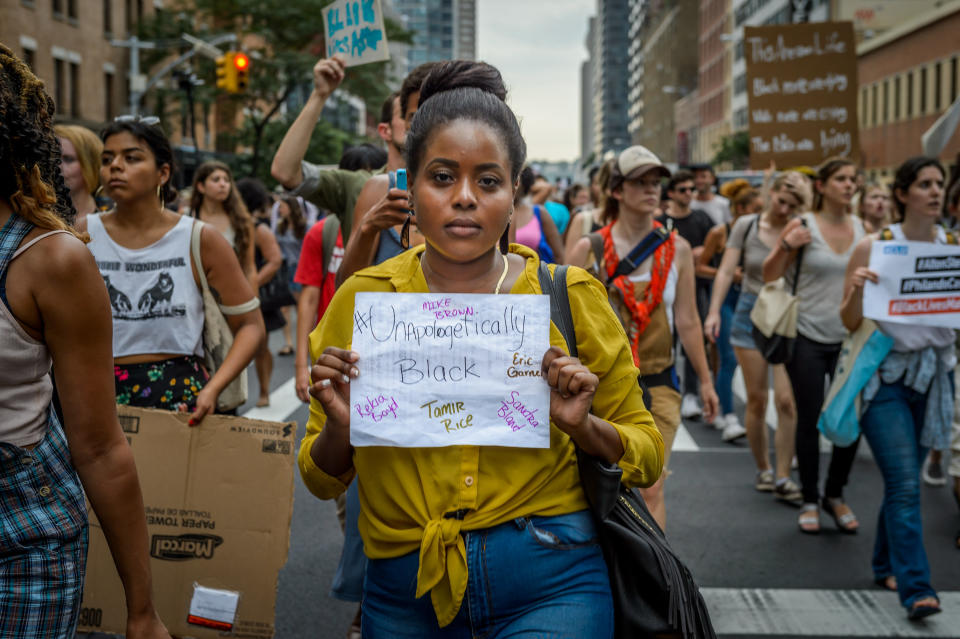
{"type": "Point", "coordinates": [908, 77]}
{"type": "Point", "coordinates": [715, 93]}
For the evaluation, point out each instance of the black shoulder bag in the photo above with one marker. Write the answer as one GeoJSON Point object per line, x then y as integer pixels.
{"type": "Point", "coordinates": [654, 594]}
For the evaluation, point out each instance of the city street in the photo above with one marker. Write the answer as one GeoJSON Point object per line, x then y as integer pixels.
{"type": "Point", "coordinates": [759, 574]}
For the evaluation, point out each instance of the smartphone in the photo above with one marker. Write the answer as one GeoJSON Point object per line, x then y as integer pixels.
{"type": "Point", "coordinates": [402, 179]}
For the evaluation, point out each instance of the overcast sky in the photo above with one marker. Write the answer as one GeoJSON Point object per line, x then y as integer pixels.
{"type": "Point", "coordinates": [538, 47]}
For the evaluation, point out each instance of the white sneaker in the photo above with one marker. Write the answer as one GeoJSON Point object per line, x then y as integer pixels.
{"type": "Point", "coordinates": [690, 407]}
{"type": "Point", "coordinates": [720, 422]}
{"type": "Point", "coordinates": [733, 430]}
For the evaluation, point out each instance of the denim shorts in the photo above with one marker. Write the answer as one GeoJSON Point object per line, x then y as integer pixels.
{"type": "Point", "coordinates": [529, 577]}
{"type": "Point", "coordinates": [741, 333]}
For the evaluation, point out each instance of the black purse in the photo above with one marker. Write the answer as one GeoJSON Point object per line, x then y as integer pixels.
{"type": "Point", "coordinates": [276, 294]}
{"type": "Point", "coordinates": [654, 594]}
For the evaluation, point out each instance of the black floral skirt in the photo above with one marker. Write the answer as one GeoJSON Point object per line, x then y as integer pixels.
{"type": "Point", "coordinates": [171, 384]}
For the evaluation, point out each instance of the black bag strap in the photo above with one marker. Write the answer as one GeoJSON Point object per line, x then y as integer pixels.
{"type": "Point", "coordinates": [796, 273]}
{"type": "Point", "coordinates": [330, 229]}
{"type": "Point", "coordinates": [642, 251]}
{"type": "Point", "coordinates": [560, 313]}
{"type": "Point", "coordinates": [746, 234]}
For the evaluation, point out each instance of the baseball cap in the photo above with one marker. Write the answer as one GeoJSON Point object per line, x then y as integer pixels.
{"type": "Point", "coordinates": [635, 161]}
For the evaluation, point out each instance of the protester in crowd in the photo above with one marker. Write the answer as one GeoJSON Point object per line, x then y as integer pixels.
{"type": "Point", "coordinates": [750, 241]}
{"type": "Point", "coordinates": [827, 236]}
{"type": "Point", "coordinates": [874, 207]}
{"type": "Point", "coordinates": [716, 206]}
{"type": "Point", "coordinates": [267, 261]}
{"type": "Point", "coordinates": [595, 188]}
{"type": "Point", "coordinates": [589, 220]}
{"type": "Point", "coordinates": [693, 226]}
{"type": "Point", "coordinates": [532, 226]}
{"type": "Point", "coordinates": [382, 211]}
{"type": "Point", "coordinates": [655, 300]}
{"type": "Point", "coordinates": [291, 230]}
{"type": "Point", "coordinates": [366, 157]}
{"type": "Point", "coordinates": [746, 201]}
{"type": "Point", "coordinates": [80, 164]}
{"type": "Point", "coordinates": [156, 300]}
{"type": "Point", "coordinates": [904, 414]}
{"type": "Point", "coordinates": [952, 207]}
{"type": "Point", "coordinates": [215, 200]}
{"type": "Point", "coordinates": [463, 116]}
{"type": "Point", "coordinates": [576, 198]}
{"type": "Point", "coordinates": [541, 193]}
{"type": "Point", "coordinates": [54, 312]}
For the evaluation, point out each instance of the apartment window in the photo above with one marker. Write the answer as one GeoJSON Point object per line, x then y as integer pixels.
{"type": "Point", "coordinates": [896, 98]}
{"type": "Point", "coordinates": [108, 96]}
{"type": "Point", "coordinates": [864, 93]}
{"type": "Point", "coordinates": [58, 82]}
{"type": "Point", "coordinates": [30, 57]}
{"type": "Point", "coordinates": [57, 6]}
{"type": "Point", "coordinates": [886, 101]}
{"type": "Point", "coordinates": [953, 79]}
{"type": "Point", "coordinates": [108, 18]}
{"type": "Point", "coordinates": [873, 106]}
{"type": "Point", "coordinates": [74, 90]}
{"type": "Point", "coordinates": [937, 86]}
{"type": "Point", "coordinates": [910, 94]}
{"type": "Point", "coordinates": [72, 9]}
{"type": "Point", "coordinates": [923, 90]}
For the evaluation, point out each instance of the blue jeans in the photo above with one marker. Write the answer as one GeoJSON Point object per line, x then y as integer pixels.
{"type": "Point", "coordinates": [892, 425]}
{"type": "Point", "coordinates": [728, 361]}
{"type": "Point", "coordinates": [348, 582]}
{"type": "Point", "coordinates": [541, 577]}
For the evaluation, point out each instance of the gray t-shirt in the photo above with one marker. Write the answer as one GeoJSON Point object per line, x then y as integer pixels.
{"type": "Point", "coordinates": [718, 208]}
{"type": "Point", "coordinates": [745, 236]}
{"type": "Point", "coordinates": [820, 287]}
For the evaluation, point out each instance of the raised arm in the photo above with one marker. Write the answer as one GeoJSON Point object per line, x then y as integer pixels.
{"type": "Point", "coordinates": [77, 327]}
{"type": "Point", "coordinates": [286, 168]}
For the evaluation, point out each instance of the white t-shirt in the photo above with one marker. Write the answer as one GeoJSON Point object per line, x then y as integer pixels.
{"type": "Point", "coordinates": [718, 208]}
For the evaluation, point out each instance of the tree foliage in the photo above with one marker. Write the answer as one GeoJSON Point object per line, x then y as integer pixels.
{"type": "Point", "coordinates": [284, 40]}
{"type": "Point", "coordinates": [734, 150]}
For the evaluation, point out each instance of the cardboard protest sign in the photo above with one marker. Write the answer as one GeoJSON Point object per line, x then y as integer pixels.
{"type": "Point", "coordinates": [919, 284]}
{"type": "Point", "coordinates": [354, 30]}
{"type": "Point", "coordinates": [218, 500]}
{"type": "Point", "coordinates": [802, 93]}
{"type": "Point", "coordinates": [450, 370]}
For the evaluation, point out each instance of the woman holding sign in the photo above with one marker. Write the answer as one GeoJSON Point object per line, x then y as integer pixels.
{"type": "Point", "coordinates": [822, 242]}
{"type": "Point", "coordinates": [456, 522]}
{"type": "Point", "coordinates": [908, 405]}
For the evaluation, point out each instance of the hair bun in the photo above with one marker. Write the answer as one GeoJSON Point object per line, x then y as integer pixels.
{"type": "Point", "coordinates": [463, 74]}
{"type": "Point", "coordinates": [735, 188]}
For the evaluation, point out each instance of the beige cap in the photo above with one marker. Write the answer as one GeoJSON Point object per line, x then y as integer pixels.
{"type": "Point", "coordinates": [637, 160]}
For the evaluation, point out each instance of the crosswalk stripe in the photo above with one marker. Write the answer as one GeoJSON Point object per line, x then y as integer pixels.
{"type": "Point", "coordinates": [283, 403]}
{"type": "Point", "coordinates": [842, 613]}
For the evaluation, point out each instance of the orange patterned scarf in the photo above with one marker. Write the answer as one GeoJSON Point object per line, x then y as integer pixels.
{"type": "Point", "coordinates": [640, 310]}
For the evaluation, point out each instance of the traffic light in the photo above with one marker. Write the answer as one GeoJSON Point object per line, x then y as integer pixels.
{"type": "Point", "coordinates": [226, 73]}
{"type": "Point", "coordinates": [241, 66]}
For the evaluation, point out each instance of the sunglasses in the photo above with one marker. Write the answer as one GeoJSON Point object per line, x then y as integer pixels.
{"type": "Point", "coordinates": [685, 189]}
{"type": "Point", "coordinates": [148, 120]}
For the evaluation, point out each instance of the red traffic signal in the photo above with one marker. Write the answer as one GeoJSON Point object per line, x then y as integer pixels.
{"type": "Point", "coordinates": [241, 61]}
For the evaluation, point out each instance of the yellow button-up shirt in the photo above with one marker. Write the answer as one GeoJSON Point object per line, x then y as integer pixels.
{"type": "Point", "coordinates": [404, 492]}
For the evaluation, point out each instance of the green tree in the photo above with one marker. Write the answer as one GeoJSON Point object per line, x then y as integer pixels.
{"type": "Point", "coordinates": [283, 46]}
{"type": "Point", "coordinates": [734, 150]}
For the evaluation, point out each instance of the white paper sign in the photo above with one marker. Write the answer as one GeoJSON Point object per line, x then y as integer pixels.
{"type": "Point", "coordinates": [354, 29]}
{"type": "Point", "coordinates": [919, 284]}
{"type": "Point", "coordinates": [450, 370]}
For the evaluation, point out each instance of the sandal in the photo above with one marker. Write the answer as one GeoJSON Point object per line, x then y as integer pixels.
{"type": "Point", "coordinates": [887, 583]}
{"type": "Point", "coordinates": [809, 520]}
{"type": "Point", "coordinates": [923, 608]}
{"type": "Point", "coordinates": [846, 523]}
{"type": "Point", "coordinates": [286, 350]}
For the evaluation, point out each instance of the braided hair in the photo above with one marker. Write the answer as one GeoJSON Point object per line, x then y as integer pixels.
{"type": "Point", "coordinates": [30, 177]}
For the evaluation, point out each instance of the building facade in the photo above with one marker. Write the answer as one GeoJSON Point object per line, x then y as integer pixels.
{"type": "Point", "coordinates": [908, 77]}
{"type": "Point", "coordinates": [716, 63]}
{"type": "Point", "coordinates": [610, 80]}
{"type": "Point", "coordinates": [587, 153]}
{"type": "Point", "coordinates": [670, 37]}
{"type": "Point", "coordinates": [442, 30]}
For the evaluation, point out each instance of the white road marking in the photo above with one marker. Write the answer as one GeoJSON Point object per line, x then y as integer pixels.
{"type": "Point", "coordinates": [683, 442]}
{"type": "Point", "coordinates": [283, 403]}
{"type": "Point", "coordinates": [843, 613]}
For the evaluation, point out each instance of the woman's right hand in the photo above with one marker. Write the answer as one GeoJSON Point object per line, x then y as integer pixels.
{"type": "Point", "coordinates": [711, 326]}
{"type": "Point", "coordinates": [392, 209]}
{"type": "Point", "coordinates": [330, 382]}
{"type": "Point", "coordinates": [796, 234]}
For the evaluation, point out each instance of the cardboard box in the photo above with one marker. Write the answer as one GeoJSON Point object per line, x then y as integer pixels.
{"type": "Point", "coordinates": [218, 499]}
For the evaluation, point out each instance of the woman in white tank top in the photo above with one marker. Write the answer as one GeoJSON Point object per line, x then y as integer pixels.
{"type": "Point", "coordinates": [143, 252]}
{"type": "Point", "coordinates": [908, 405]}
{"type": "Point", "coordinates": [54, 311]}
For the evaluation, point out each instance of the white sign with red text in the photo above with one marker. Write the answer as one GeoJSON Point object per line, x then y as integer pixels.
{"type": "Point", "coordinates": [450, 370]}
{"type": "Point", "coordinates": [919, 284]}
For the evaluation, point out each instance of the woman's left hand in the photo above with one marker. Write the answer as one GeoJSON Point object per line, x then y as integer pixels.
{"type": "Point", "coordinates": [206, 405]}
{"type": "Point", "coordinates": [862, 275]}
{"type": "Point", "coordinates": [710, 401]}
{"type": "Point", "coordinates": [572, 387]}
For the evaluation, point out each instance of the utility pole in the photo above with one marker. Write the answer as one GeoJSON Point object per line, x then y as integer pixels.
{"type": "Point", "coordinates": [138, 81]}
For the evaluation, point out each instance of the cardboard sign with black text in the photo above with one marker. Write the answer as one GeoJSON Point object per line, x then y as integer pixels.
{"type": "Point", "coordinates": [218, 500]}
{"type": "Point", "coordinates": [801, 93]}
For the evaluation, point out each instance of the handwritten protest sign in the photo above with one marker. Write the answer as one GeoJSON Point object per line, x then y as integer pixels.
{"type": "Point", "coordinates": [354, 29]}
{"type": "Point", "coordinates": [919, 284]}
{"type": "Point", "coordinates": [450, 370]}
{"type": "Point", "coordinates": [802, 93]}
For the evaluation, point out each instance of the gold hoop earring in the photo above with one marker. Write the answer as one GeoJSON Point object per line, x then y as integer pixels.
{"type": "Point", "coordinates": [160, 196]}
{"type": "Point", "coordinates": [97, 193]}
